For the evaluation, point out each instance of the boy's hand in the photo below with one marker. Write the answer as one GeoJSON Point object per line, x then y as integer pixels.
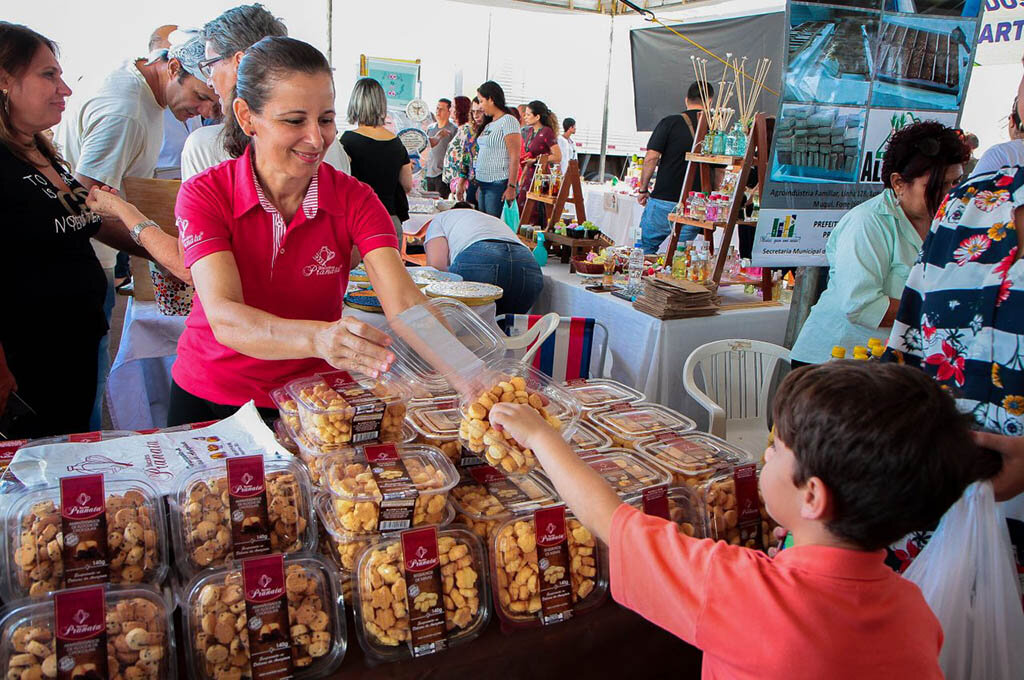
{"type": "Point", "coordinates": [1010, 480]}
{"type": "Point", "coordinates": [780, 535]}
{"type": "Point", "coordinates": [521, 421]}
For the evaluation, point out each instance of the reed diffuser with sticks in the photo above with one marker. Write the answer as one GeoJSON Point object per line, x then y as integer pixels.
{"type": "Point", "coordinates": [720, 139]}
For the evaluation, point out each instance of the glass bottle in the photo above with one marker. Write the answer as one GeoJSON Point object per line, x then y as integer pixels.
{"type": "Point", "coordinates": [635, 270]}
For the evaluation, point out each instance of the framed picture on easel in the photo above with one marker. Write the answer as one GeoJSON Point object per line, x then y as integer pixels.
{"type": "Point", "coordinates": [400, 78]}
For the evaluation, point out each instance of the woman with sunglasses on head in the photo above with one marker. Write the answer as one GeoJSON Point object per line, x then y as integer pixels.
{"type": "Point", "coordinates": [873, 247]}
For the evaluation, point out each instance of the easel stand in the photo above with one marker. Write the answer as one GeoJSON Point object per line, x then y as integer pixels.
{"type": "Point", "coordinates": [569, 192]}
{"type": "Point", "coordinates": [757, 154]}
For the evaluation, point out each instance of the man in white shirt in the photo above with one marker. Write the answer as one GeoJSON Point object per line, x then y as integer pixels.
{"type": "Point", "coordinates": [226, 39]}
{"type": "Point", "coordinates": [565, 143]}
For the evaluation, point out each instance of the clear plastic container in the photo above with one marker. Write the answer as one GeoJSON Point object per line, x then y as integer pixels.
{"type": "Point", "coordinates": [201, 523]}
{"type": "Point", "coordinates": [628, 424]}
{"type": "Point", "coordinates": [284, 437]}
{"type": "Point", "coordinates": [81, 437]}
{"type": "Point", "coordinates": [213, 609]}
{"type": "Point", "coordinates": [382, 619]}
{"type": "Point", "coordinates": [357, 499]}
{"type": "Point", "coordinates": [721, 508]}
{"type": "Point", "coordinates": [314, 454]}
{"type": "Point", "coordinates": [508, 558]}
{"type": "Point", "coordinates": [28, 643]}
{"type": "Point", "coordinates": [287, 408]}
{"type": "Point", "coordinates": [692, 458]}
{"type": "Point", "coordinates": [345, 546]}
{"type": "Point", "coordinates": [684, 509]}
{"type": "Point", "coordinates": [626, 472]}
{"type": "Point", "coordinates": [436, 424]}
{"type": "Point", "coordinates": [485, 497]}
{"type": "Point", "coordinates": [512, 381]}
{"type": "Point", "coordinates": [372, 409]}
{"type": "Point", "coordinates": [587, 439]}
{"type": "Point", "coordinates": [595, 393]}
{"type": "Point", "coordinates": [137, 546]}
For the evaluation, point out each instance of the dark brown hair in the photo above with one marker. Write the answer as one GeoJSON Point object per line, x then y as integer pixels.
{"type": "Point", "coordinates": [925, 148]}
{"type": "Point", "coordinates": [462, 106]}
{"type": "Point", "coordinates": [886, 440]}
{"type": "Point", "coordinates": [541, 110]}
{"type": "Point", "coordinates": [18, 47]}
{"type": "Point", "coordinates": [264, 64]}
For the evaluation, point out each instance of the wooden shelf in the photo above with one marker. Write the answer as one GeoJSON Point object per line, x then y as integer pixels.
{"type": "Point", "coordinates": [679, 219]}
{"type": "Point", "coordinates": [714, 160]}
{"type": "Point", "coordinates": [542, 198]}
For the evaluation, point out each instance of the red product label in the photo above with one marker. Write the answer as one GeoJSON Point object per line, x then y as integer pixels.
{"type": "Point", "coordinates": [577, 382]}
{"type": "Point", "coordinates": [151, 430]}
{"type": "Point", "coordinates": [247, 498]}
{"type": "Point", "coordinates": [85, 437]}
{"type": "Point", "coordinates": [553, 564]}
{"type": "Point", "coordinates": [748, 504]}
{"type": "Point", "coordinates": [395, 484]}
{"type": "Point", "coordinates": [80, 617]}
{"type": "Point", "coordinates": [83, 515]}
{"type": "Point", "coordinates": [205, 423]}
{"type": "Point", "coordinates": [498, 485]}
{"type": "Point", "coordinates": [423, 590]}
{"type": "Point", "coordinates": [266, 607]}
{"type": "Point", "coordinates": [655, 501]}
{"type": "Point", "coordinates": [469, 460]}
{"type": "Point", "coordinates": [369, 409]}
{"type": "Point", "coordinates": [7, 451]}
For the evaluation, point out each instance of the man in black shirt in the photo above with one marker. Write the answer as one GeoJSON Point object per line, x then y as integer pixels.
{"type": "Point", "coordinates": [671, 140]}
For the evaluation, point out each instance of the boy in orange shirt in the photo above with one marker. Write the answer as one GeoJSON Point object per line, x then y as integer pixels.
{"type": "Point", "coordinates": [863, 455]}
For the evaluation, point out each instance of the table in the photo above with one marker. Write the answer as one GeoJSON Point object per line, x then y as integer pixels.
{"type": "Point", "coordinates": [648, 353]}
{"type": "Point", "coordinates": [139, 386]}
{"type": "Point", "coordinates": [617, 223]}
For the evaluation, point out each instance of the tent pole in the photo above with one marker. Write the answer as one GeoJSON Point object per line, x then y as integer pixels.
{"type": "Point", "coordinates": [487, 63]}
{"type": "Point", "coordinates": [330, 32]}
{"type": "Point", "coordinates": [607, 92]}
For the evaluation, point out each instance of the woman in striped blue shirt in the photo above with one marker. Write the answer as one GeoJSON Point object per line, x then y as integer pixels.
{"type": "Point", "coordinates": [497, 163]}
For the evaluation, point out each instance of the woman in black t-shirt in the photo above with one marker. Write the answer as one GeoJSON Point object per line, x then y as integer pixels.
{"type": "Point", "coordinates": [378, 157]}
{"type": "Point", "coordinates": [51, 284]}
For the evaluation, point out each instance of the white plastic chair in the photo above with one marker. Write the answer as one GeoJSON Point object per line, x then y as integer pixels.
{"type": "Point", "coordinates": [737, 377]}
{"type": "Point", "coordinates": [539, 332]}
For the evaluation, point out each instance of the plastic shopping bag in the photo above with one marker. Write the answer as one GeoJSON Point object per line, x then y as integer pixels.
{"type": "Point", "coordinates": [510, 215]}
{"type": "Point", "coordinates": [967, 575]}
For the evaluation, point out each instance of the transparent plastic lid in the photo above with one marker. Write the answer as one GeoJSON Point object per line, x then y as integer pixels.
{"type": "Point", "coordinates": [596, 393]}
{"type": "Point", "coordinates": [733, 509]}
{"type": "Point", "coordinates": [34, 541]}
{"type": "Point", "coordinates": [485, 493]}
{"type": "Point", "coordinates": [345, 407]}
{"type": "Point", "coordinates": [626, 472]}
{"type": "Point", "coordinates": [436, 420]}
{"type": "Point", "coordinates": [323, 504]}
{"type": "Point", "coordinates": [692, 453]}
{"type": "Point", "coordinates": [136, 615]}
{"type": "Point", "coordinates": [587, 439]}
{"type": "Point", "coordinates": [633, 422]}
{"type": "Point", "coordinates": [383, 623]}
{"type": "Point", "coordinates": [351, 477]}
{"type": "Point", "coordinates": [201, 519]}
{"type": "Point", "coordinates": [442, 339]}
{"type": "Point", "coordinates": [285, 402]}
{"type": "Point", "coordinates": [316, 613]}
{"type": "Point", "coordinates": [682, 506]}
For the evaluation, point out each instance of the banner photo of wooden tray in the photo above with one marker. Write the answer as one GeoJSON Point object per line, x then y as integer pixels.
{"type": "Point", "coordinates": [471, 293]}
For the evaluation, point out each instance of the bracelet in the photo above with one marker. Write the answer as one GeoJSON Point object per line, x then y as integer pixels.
{"type": "Point", "coordinates": [643, 191]}
{"type": "Point", "coordinates": [136, 231]}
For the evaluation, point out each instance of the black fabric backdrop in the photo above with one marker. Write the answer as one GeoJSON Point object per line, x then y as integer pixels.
{"type": "Point", "coordinates": [662, 70]}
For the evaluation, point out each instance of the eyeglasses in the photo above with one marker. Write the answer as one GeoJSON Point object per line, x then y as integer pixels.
{"type": "Point", "coordinates": [206, 66]}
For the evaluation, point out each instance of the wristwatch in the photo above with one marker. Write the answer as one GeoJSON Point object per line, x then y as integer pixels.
{"type": "Point", "coordinates": [137, 230]}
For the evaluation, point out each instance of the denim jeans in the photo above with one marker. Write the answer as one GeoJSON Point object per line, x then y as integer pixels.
{"type": "Point", "coordinates": [489, 197]}
{"type": "Point", "coordinates": [655, 227]}
{"type": "Point", "coordinates": [507, 265]}
{"type": "Point", "coordinates": [471, 191]}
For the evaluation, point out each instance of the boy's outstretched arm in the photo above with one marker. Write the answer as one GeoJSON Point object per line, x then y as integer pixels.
{"type": "Point", "coordinates": [585, 492]}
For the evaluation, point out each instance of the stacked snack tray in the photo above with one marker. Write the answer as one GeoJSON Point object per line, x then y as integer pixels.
{"type": "Point", "coordinates": [629, 424]}
{"type": "Point", "coordinates": [139, 638]}
{"type": "Point", "coordinates": [347, 408]}
{"type": "Point", "coordinates": [287, 409]}
{"type": "Point", "coordinates": [678, 504]}
{"type": "Point", "coordinates": [315, 455]}
{"type": "Point", "coordinates": [588, 439]}
{"type": "Point", "coordinates": [202, 522]}
{"type": "Point", "coordinates": [436, 424]}
{"type": "Point", "coordinates": [388, 605]}
{"type": "Point", "coordinates": [344, 546]}
{"type": "Point", "coordinates": [596, 393]}
{"type": "Point", "coordinates": [380, 488]}
{"type": "Point", "coordinates": [692, 458]}
{"type": "Point", "coordinates": [219, 631]}
{"type": "Point", "coordinates": [517, 576]}
{"type": "Point", "coordinates": [510, 381]}
{"type": "Point", "coordinates": [42, 552]}
{"type": "Point", "coordinates": [733, 509]}
{"type": "Point", "coordinates": [485, 497]}
{"type": "Point", "coordinates": [284, 437]}
{"type": "Point", "coordinates": [627, 472]}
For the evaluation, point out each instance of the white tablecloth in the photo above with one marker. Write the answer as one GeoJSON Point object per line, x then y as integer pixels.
{"type": "Point", "coordinates": [616, 214]}
{"type": "Point", "coordinates": [139, 385]}
{"type": "Point", "coordinates": [648, 353]}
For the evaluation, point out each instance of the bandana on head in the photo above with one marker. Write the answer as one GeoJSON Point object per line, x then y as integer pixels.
{"type": "Point", "coordinates": [190, 53]}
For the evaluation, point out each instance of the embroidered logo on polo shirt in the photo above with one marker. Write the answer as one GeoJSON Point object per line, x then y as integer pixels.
{"type": "Point", "coordinates": [320, 266]}
{"type": "Point", "coordinates": [187, 240]}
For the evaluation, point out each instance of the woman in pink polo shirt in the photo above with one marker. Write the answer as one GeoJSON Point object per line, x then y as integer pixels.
{"type": "Point", "coordinates": [267, 237]}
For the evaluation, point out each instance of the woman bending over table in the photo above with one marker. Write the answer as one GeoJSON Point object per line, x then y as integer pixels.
{"type": "Point", "coordinates": [267, 236]}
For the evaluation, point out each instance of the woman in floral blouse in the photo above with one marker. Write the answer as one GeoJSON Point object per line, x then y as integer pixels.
{"type": "Point", "coordinates": [458, 160]}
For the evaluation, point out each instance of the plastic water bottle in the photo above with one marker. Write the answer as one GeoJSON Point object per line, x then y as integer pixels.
{"type": "Point", "coordinates": [636, 268]}
{"type": "Point", "coordinates": [540, 253]}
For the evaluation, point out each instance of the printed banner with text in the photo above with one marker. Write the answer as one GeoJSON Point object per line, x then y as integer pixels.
{"type": "Point", "coordinates": [855, 73]}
